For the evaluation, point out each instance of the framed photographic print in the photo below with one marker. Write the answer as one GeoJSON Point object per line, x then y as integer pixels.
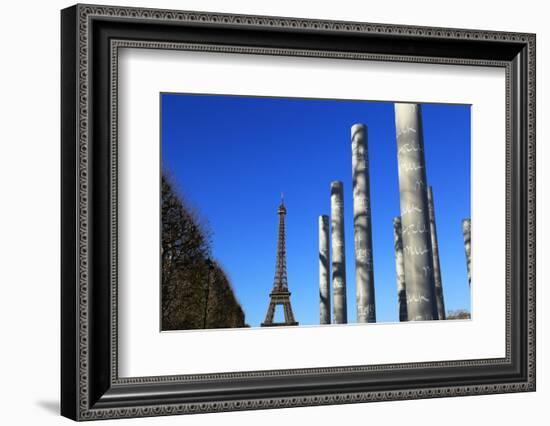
{"type": "Point", "coordinates": [263, 212]}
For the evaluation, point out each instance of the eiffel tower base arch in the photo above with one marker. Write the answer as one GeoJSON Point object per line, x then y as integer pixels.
{"type": "Point", "coordinates": [281, 297]}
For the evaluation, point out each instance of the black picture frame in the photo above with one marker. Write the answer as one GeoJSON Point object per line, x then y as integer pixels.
{"type": "Point", "coordinates": [90, 386]}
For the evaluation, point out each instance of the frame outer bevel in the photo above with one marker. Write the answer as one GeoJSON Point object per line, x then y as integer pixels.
{"type": "Point", "coordinates": [82, 398]}
{"type": "Point", "coordinates": [69, 190]}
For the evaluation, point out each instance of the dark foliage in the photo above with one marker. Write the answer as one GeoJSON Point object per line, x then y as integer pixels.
{"type": "Point", "coordinates": [458, 314]}
{"type": "Point", "coordinates": [196, 292]}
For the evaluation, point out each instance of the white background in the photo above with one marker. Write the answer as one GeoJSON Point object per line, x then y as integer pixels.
{"type": "Point", "coordinates": [146, 352]}
{"type": "Point", "coordinates": [29, 225]}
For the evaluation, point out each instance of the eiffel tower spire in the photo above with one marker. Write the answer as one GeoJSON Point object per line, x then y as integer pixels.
{"type": "Point", "coordinates": [280, 281]}
{"type": "Point", "coordinates": [279, 294]}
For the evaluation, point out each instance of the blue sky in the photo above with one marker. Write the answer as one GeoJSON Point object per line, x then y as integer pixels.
{"type": "Point", "coordinates": [231, 157]}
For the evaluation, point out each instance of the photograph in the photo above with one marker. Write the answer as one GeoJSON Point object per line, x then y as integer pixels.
{"type": "Point", "coordinates": [279, 211]}
{"type": "Point", "coordinates": [267, 209]}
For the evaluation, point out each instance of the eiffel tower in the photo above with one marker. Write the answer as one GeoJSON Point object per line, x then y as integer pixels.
{"type": "Point", "coordinates": [279, 294]}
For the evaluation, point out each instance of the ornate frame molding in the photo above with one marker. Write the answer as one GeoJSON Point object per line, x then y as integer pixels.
{"type": "Point", "coordinates": [88, 402]}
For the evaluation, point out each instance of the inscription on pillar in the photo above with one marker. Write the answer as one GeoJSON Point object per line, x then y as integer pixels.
{"type": "Point", "coordinates": [362, 227]}
{"type": "Point", "coordinates": [338, 252]}
{"type": "Point", "coordinates": [416, 238]}
{"type": "Point", "coordinates": [324, 271]}
{"type": "Point", "coordinates": [435, 251]}
{"type": "Point", "coordinates": [466, 231]}
{"type": "Point", "coordinates": [400, 270]}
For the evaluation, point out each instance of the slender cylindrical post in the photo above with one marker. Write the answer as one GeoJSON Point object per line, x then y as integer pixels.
{"type": "Point", "coordinates": [324, 271]}
{"type": "Point", "coordinates": [415, 222]}
{"type": "Point", "coordinates": [362, 228]}
{"type": "Point", "coordinates": [338, 253]}
{"type": "Point", "coordinates": [435, 251]}
{"type": "Point", "coordinates": [466, 232]}
{"type": "Point", "coordinates": [400, 270]}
